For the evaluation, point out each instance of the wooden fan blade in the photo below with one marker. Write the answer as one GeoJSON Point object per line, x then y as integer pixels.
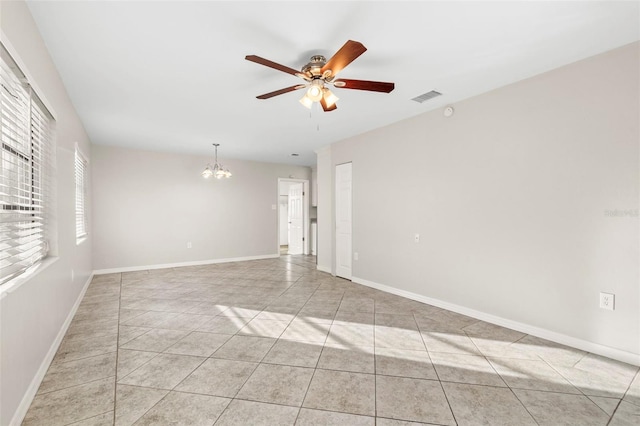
{"type": "Point", "coordinates": [271, 64]}
{"type": "Point", "coordinates": [281, 91]}
{"type": "Point", "coordinates": [327, 108]}
{"type": "Point", "coordinates": [343, 57]}
{"type": "Point", "coordinates": [372, 86]}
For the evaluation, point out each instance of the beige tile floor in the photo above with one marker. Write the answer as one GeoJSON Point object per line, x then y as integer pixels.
{"type": "Point", "coordinates": [275, 342]}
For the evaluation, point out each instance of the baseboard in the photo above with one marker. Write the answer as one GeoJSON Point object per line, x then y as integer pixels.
{"type": "Point", "coordinates": [27, 399]}
{"type": "Point", "coordinates": [323, 269]}
{"type": "Point", "coordinates": [180, 264]}
{"type": "Point", "coordinates": [553, 336]}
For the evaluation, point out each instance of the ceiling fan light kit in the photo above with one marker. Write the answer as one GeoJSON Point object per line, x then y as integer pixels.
{"type": "Point", "coordinates": [217, 171]}
{"type": "Point", "coordinates": [319, 73]}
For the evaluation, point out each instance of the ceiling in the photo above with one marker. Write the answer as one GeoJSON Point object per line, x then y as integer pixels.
{"type": "Point", "coordinates": [171, 75]}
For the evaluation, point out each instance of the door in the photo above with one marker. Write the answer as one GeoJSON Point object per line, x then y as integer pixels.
{"type": "Point", "coordinates": [296, 219]}
{"type": "Point", "coordinates": [284, 220]}
{"type": "Point", "coordinates": [343, 220]}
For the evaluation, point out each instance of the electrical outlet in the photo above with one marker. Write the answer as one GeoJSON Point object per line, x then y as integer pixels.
{"type": "Point", "coordinates": [355, 255]}
{"type": "Point", "coordinates": [416, 238]}
{"type": "Point", "coordinates": [189, 245]}
{"type": "Point", "coordinates": [274, 207]}
{"type": "Point", "coordinates": [607, 301]}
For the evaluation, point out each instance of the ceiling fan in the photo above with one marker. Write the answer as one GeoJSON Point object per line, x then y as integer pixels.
{"type": "Point", "coordinates": [319, 73]}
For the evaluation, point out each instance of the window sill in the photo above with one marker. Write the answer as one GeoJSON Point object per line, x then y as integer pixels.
{"type": "Point", "coordinates": [81, 239]}
{"type": "Point", "coordinates": [14, 284]}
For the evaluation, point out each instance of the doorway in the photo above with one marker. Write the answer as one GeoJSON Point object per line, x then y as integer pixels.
{"type": "Point", "coordinates": [344, 194]}
{"type": "Point", "coordinates": [293, 216]}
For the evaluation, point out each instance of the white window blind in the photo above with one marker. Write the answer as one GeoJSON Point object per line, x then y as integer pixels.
{"type": "Point", "coordinates": [81, 196]}
{"type": "Point", "coordinates": [25, 176]}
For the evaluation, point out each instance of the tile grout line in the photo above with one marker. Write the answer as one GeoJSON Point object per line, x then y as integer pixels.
{"type": "Point", "coordinates": [486, 358]}
{"type": "Point", "coordinates": [144, 363]}
{"type": "Point", "coordinates": [571, 383]}
{"type": "Point", "coordinates": [168, 391]}
{"type": "Point", "coordinates": [501, 378]}
{"type": "Point", "coordinates": [523, 405]}
{"type": "Point", "coordinates": [115, 381]}
{"type": "Point", "coordinates": [249, 376]}
{"type": "Point", "coordinates": [82, 358]}
{"type": "Point", "coordinates": [315, 369]}
{"type": "Point", "coordinates": [88, 418]}
{"type": "Point", "coordinates": [446, 397]}
{"type": "Point", "coordinates": [623, 395]}
{"type": "Point", "coordinates": [74, 386]}
{"type": "Point", "coordinates": [375, 368]}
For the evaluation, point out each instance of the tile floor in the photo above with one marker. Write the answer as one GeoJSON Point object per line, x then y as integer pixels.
{"type": "Point", "coordinates": [275, 342]}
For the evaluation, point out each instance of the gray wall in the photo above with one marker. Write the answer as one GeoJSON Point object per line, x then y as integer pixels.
{"type": "Point", "coordinates": [511, 198]}
{"type": "Point", "coordinates": [33, 315]}
{"type": "Point", "coordinates": [325, 214]}
{"type": "Point", "coordinates": [148, 205]}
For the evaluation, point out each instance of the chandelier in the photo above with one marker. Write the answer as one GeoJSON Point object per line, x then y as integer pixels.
{"type": "Point", "coordinates": [217, 170]}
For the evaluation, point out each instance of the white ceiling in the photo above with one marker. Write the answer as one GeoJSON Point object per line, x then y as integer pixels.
{"type": "Point", "coordinates": [172, 76]}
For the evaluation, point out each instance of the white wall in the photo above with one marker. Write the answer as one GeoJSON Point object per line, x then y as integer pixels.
{"type": "Point", "coordinates": [33, 314]}
{"type": "Point", "coordinates": [325, 232]}
{"type": "Point", "coordinates": [510, 197]}
{"type": "Point", "coordinates": [148, 205]}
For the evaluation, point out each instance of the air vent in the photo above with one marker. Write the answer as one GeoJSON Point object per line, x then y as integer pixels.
{"type": "Point", "coordinates": [426, 96]}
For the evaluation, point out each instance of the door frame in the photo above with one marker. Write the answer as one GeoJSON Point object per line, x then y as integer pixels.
{"type": "Point", "coordinates": [305, 212]}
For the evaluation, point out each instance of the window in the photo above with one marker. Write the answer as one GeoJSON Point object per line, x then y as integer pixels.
{"type": "Point", "coordinates": [81, 197]}
{"type": "Point", "coordinates": [25, 177]}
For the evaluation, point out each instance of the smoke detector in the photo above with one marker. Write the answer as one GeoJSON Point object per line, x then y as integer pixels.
{"type": "Point", "coordinates": [448, 111]}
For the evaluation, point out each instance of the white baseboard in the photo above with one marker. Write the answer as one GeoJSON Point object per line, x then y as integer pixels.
{"type": "Point", "coordinates": [180, 264]}
{"type": "Point", "coordinates": [27, 399]}
{"type": "Point", "coordinates": [613, 353]}
{"type": "Point", "coordinates": [323, 269]}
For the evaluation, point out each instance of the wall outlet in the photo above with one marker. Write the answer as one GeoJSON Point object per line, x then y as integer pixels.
{"type": "Point", "coordinates": [355, 255]}
{"type": "Point", "coordinates": [189, 245]}
{"type": "Point", "coordinates": [416, 238]}
{"type": "Point", "coordinates": [274, 207]}
{"type": "Point", "coordinates": [607, 301]}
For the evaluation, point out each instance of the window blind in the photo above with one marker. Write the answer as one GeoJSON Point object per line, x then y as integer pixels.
{"type": "Point", "coordinates": [81, 196]}
{"type": "Point", "coordinates": [25, 176]}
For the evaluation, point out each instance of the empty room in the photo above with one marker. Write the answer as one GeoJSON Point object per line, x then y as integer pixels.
{"type": "Point", "coordinates": [319, 213]}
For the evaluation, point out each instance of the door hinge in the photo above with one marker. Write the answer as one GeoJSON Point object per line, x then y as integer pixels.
{"type": "Point", "coordinates": [302, 238]}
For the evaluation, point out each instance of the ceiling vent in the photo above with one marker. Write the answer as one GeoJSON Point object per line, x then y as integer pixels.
{"type": "Point", "coordinates": [426, 96]}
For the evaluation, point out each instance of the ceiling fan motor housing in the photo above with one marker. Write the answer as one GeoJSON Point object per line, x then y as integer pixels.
{"type": "Point", "coordinates": [314, 67]}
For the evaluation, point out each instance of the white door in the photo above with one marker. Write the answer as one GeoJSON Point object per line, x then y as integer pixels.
{"type": "Point", "coordinates": [296, 222]}
{"type": "Point", "coordinates": [284, 220]}
{"type": "Point", "coordinates": [343, 220]}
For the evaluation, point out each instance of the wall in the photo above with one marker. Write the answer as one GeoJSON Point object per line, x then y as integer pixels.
{"type": "Point", "coordinates": [34, 314]}
{"type": "Point", "coordinates": [149, 205]}
{"type": "Point", "coordinates": [325, 227]}
{"type": "Point", "coordinates": [512, 198]}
